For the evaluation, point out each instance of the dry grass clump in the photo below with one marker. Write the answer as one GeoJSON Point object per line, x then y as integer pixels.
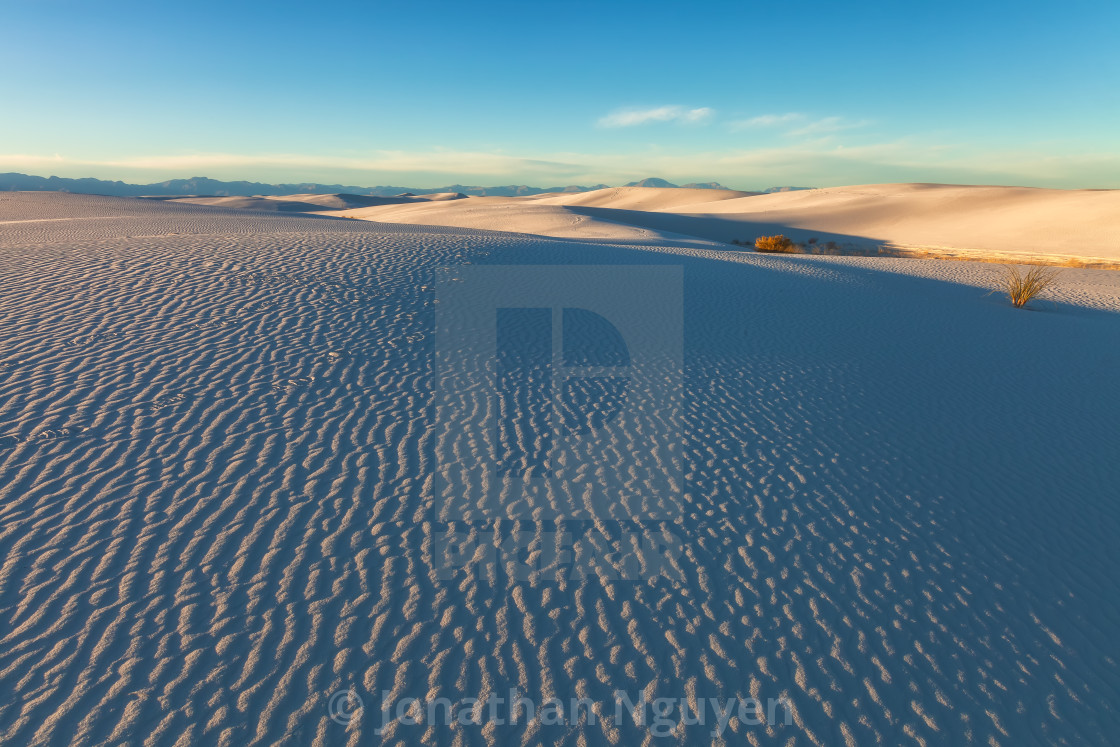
{"type": "Point", "coordinates": [776, 244]}
{"type": "Point", "coordinates": [1022, 288]}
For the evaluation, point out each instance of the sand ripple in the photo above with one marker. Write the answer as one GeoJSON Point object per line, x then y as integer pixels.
{"type": "Point", "coordinates": [215, 501]}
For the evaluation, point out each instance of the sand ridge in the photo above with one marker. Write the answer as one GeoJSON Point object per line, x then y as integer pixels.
{"type": "Point", "coordinates": [306, 203]}
{"type": "Point", "coordinates": [215, 506]}
{"type": "Point", "coordinates": [960, 219]}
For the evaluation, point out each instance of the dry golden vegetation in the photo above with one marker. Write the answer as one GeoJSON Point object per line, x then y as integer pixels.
{"type": "Point", "coordinates": [775, 244]}
{"type": "Point", "coordinates": [1021, 288]}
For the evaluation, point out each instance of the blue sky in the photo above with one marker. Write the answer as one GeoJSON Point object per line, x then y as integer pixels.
{"type": "Point", "coordinates": [552, 93]}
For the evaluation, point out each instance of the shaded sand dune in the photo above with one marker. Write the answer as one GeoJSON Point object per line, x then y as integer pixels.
{"type": "Point", "coordinates": [255, 203]}
{"type": "Point", "coordinates": [514, 214]}
{"type": "Point", "coordinates": [644, 198]}
{"type": "Point", "coordinates": [1063, 223]}
{"type": "Point", "coordinates": [898, 507]}
{"type": "Point", "coordinates": [564, 215]}
{"type": "Point", "coordinates": [342, 201]}
{"type": "Point", "coordinates": [306, 203]}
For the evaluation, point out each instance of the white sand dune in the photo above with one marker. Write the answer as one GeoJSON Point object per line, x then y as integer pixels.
{"type": "Point", "coordinates": [341, 201]}
{"type": "Point", "coordinates": [898, 508]}
{"type": "Point", "coordinates": [560, 215]}
{"type": "Point", "coordinates": [273, 204]}
{"type": "Point", "coordinates": [644, 198]}
{"type": "Point", "coordinates": [1065, 223]}
{"type": "Point", "coordinates": [516, 214]}
{"type": "Point", "coordinates": [307, 203]}
{"type": "Point", "coordinates": [1069, 222]}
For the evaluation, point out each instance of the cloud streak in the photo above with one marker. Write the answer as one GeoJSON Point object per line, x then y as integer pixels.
{"type": "Point", "coordinates": [801, 124]}
{"type": "Point", "coordinates": [767, 120]}
{"type": "Point", "coordinates": [424, 162]}
{"type": "Point", "coordinates": [827, 126]}
{"type": "Point", "coordinates": [636, 117]}
{"type": "Point", "coordinates": [815, 162]}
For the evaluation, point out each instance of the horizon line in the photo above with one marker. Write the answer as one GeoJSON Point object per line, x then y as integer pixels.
{"type": "Point", "coordinates": [509, 184]}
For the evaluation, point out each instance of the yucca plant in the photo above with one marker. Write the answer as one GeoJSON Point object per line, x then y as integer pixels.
{"type": "Point", "coordinates": [1022, 288]}
{"type": "Point", "coordinates": [778, 244]}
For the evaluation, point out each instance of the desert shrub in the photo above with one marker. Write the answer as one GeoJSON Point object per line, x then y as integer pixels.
{"type": "Point", "coordinates": [778, 244]}
{"type": "Point", "coordinates": [813, 240]}
{"type": "Point", "coordinates": [1022, 288]}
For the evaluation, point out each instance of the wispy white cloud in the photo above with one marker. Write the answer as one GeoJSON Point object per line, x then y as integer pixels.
{"type": "Point", "coordinates": [767, 120]}
{"type": "Point", "coordinates": [634, 117]}
{"type": "Point", "coordinates": [802, 125]}
{"type": "Point", "coordinates": [828, 125]}
{"type": "Point", "coordinates": [811, 161]}
{"type": "Point", "coordinates": [434, 161]}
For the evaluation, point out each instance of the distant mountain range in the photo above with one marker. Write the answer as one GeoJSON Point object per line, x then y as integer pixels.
{"type": "Point", "coordinates": [655, 182]}
{"type": "Point", "coordinates": [200, 185]}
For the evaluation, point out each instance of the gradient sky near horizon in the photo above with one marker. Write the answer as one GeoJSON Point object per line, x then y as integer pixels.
{"type": "Point", "coordinates": [424, 94]}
